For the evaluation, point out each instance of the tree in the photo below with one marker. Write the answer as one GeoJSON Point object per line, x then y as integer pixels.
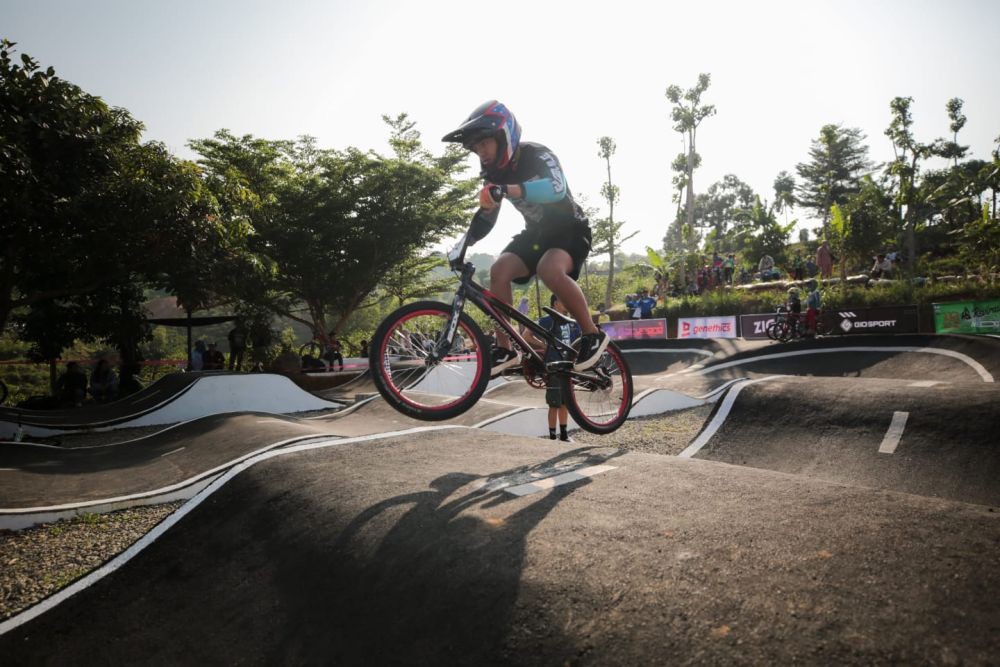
{"type": "Point", "coordinates": [905, 168]}
{"type": "Point", "coordinates": [414, 278]}
{"type": "Point", "coordinates": [687, 114]}
{"type": "Point", "coordinates": [720, 207]}
{"type": "Point", "coordinates": [607, 232]}
{"type": "Point", "coordinates": [837, 161]}
{"type": "Point", "coordinates": [952, 150]}
{"type": "Point", "coordinates": [784, 193]}
{"type": "Point", "coordinates": [759, 232]}
{"type": "Point", "coordinates": [331, 225]}
{"type": "Point", "coordinates": [74, 182]}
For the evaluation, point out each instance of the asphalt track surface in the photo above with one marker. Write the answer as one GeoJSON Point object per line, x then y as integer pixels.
{"type": "Point", "coordinates": [811, 523]}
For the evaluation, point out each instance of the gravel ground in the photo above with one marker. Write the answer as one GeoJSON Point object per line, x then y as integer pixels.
{"type": "Point", "coordinates": [666, 434]}
{"type": "Point", "coordinates": [37, 562]}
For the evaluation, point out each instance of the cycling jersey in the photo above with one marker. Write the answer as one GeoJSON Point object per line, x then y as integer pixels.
{"type": "Point", "coordinates": [546, 200]}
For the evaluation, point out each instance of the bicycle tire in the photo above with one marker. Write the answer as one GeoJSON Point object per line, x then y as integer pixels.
{"type": "Point", "coordinates": [781, 331]}
{"type": "Point", "coordinates": [312, 348]}
{"type": "Point", "coordinates": [579, 396]}
{"type": "Point", "coordinates": [402, 388]}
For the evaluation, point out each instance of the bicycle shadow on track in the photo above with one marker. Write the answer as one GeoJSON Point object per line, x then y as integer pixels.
{"type": "Point", "coordinates": [439, 584]}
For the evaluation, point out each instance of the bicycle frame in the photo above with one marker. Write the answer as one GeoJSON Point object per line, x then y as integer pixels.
{"type": "Point", "coordinates": [494, 308]}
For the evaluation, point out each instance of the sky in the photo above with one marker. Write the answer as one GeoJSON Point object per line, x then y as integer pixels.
{"type": "Point", "coordinates": [571, 71]}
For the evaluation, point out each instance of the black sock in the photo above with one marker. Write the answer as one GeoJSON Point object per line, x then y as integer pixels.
{"type": "Point", "coordinates": [563, 433]}
{"type": "Point", "coordinates": [552, 433]}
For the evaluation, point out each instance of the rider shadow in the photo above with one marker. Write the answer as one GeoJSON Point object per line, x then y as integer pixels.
{"type": "Point", "coordinates": [437, 585]}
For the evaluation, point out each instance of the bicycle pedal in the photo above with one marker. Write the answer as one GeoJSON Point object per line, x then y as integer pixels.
{"type": "Point", "coordinates": [559, 366]}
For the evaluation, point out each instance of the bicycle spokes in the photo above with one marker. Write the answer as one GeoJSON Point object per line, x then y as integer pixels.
{"type": "Point", "coordinates": [418, 372]}
{"type": "Point", "coordinates": [601, 398]}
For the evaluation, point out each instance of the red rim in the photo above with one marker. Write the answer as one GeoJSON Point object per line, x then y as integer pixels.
{"type": "Point", "coordinates": [626, 394]}
{"type": "Point", "coordinates": [384, 365]}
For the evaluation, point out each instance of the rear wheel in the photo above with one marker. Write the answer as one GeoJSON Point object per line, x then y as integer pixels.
{"type": "Point", "coordinates": [600, 398]}
{"type": "Point", "coordinates": [414, 377]}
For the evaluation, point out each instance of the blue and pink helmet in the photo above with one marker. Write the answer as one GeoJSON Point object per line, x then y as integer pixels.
{"type": "Point", "coordinates": [491, 119]}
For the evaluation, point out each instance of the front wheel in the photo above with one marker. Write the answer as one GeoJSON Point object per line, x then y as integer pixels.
{"type": "Point", "coordinates": [600, 399]}
{"type": "Point", "coordinates": [414, 376]}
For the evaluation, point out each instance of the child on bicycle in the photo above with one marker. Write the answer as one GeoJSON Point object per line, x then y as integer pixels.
{"type": "Point", "coordinates": [794, 306]}
{"type": "Point", "coordinates": [556, 239]}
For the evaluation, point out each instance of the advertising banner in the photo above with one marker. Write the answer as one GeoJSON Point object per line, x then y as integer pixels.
{"type": "Point", "coordinates": [636, 329]}
{"type": "Point", "coordinates": [886, 319]}
{"type": "Point", "coordinates": [972, 317]}
{"type": "Point", "coordinates": [707, 327]}
{"type": "Point", "coordinates": [755, 326]}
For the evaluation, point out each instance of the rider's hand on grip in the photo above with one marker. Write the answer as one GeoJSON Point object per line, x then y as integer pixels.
{"type": "Point", "coordinates": [491, 195]}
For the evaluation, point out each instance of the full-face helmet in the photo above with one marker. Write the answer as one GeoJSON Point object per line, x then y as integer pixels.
{"type": "Point", "coordinates": [491, 119]}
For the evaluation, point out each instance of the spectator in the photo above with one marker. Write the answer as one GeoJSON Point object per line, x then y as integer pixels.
{"type": "Point", "coordinates": [824, 259]}
{"type": "Point", "coordinates": [766, 267]}
{"type": "Point", "coordinates": [798, 267]}
{"type": "Point", "coordinates": [334, 352]}
{"type": "Point", "coordinates": [198, 356]}
{"type": "Point", "coordinates": [882, 268]}
{"type": "Point", "coordinates": [554, 397]}
{"type": "Point", "coordinates": [214, 359]}
{"type": "Point", "coordinates": [794, 306]}
{"type": "Point", "coordinates": [811, 268]}
{"type": "Point", "coordinates": [104, 383]}
{"type": "Point", "coordinates": [260, 336]}
{"type": "Point", "coordinates": [729, 268]}
{"type": "Point", "coordinates": [71, 387]}
{"type": "Point", "coordinates": [237, 346]}
{"type": "Point", "coordinates": [646, 304]}
{"type": "Point", "coordinates": [813, 304]}
{"type": "Point", "coordinates": [364, 348]}
{"type": "Point", "coordinates": [632, 303]}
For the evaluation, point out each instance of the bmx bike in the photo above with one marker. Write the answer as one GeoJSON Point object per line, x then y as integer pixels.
{"type": "Point", "coordinates": [421, 367]}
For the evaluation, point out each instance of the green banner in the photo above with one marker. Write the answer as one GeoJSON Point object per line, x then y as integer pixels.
{"type": "Point", "coordinates": [972, 317]}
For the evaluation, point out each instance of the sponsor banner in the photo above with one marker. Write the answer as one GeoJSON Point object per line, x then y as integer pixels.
{"type": "Point", "coordinates": [636, 329]}
{"type": "Point", "coordinates": [707, 327]}
{"type": "Point", "coordinates": [755, 326]}
{"type": "Point", "coordinates": [887, 319]}
{"type": "Point", "coordinates": [973, 317]}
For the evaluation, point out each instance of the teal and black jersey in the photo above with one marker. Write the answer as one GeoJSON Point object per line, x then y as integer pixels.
{"type": "Point", "coordinates": [547, 200]}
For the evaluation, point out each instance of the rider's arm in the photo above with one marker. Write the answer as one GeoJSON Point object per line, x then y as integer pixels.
{"type": "Point", "coordinates": [549, 185]}
{"type": "Point", "coordinates": [482, 223]}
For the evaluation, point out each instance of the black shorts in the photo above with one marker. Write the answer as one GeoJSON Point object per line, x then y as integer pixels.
{"type": "Point", "coordinates": [530, 244]}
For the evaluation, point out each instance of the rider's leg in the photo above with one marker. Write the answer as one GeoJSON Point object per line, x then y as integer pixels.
{"type": "Point", "coordinates": [554, 268]}
{"type": "Point", "coordinates": [503, 272]}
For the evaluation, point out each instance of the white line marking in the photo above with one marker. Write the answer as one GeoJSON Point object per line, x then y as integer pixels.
{"type": "Point", "coordinates": [162, 527]}
{"type": "Point", "coordinates": [975, 365]}
{"type": "Point", "coordinates": [895, 432]}
{"type": "Point", "coordinates": [925, 383]}
{"type": "Point", "coordinates": [172, 452]}
{"type": "Point", "coordinates": [8, 469]}
{"type": "Point", "coordinates": [558, 480]}
{"type": "Point", "coordinates": [679, 350]}
{"type": "Point", "coordinates": [720, 416]}
{"type": "Point", "coordinates": [504, 415]}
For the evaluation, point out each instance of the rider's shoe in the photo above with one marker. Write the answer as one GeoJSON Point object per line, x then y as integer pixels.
{"type": "Point", "coordinates": [503, 359]}
{"type": "Point", "coordinates": [566, 439]}
{"type": "Point", "coordinates": [592, 346]}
